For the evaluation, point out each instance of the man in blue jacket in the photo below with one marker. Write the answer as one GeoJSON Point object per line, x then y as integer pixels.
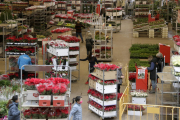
{"type": "Point", "coordinates": [24, 60]}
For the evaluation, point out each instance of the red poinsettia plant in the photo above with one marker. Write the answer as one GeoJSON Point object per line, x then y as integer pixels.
{"type": "Point", "coordinates": [107, 97]}
{"type": "Point", "coordinates": [20, 49]}
{"type": "Point", "coordinates": [107, 82]}
{"type": "Point", "coordinates": [106, 67]}
{"type": "Point", "coordinates": [61, 30]}
{"type": "Point", "coordinates": [132, 77]}
{"type": "Point", "coordinates": [136, 107]}
{"type": "Point", "coordinates": [93, 77]}
{"type": "Point", "coordinates": [68, 38]}
{"type": "Point", "coordinates": [73, 48]}
{"type": "Point", "coordinates": [99, 107]}
{"type": "Point", "coordinates": [24, 39]}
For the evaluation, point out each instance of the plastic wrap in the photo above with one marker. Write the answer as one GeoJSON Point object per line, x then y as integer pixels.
{"type": "Point", "coordinates": [43, 113]}
{"type": "Point", "coordinates": [51, 113]}
{"type": "Point", "coordinates": [35, 113]}
{"type": "Point", "coordinates": [27, 113]}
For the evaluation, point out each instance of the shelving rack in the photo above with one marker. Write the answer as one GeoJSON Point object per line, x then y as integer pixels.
{"type": "Point", "coordinates": [108, 3]}
{"type": "Point", "coordinates": [70, 60]}
{"type": "Point", "coordinates": [39, 20]}
{"type": "Point", "coordinates": [116, 23]}
{"type": "Point", "coordinates": [35, 103]}
{"type": "Point", "coordinates": [145, 6]}
{"type": "Point", "coordinates": [110, 89]}
{"type": "Point", "coordinates": [99, 43]}
{"type": "Point", "coordinates": [62, 7]}
{"type": "Point", "coordinates": [167, 93]}
{"type": "Point", "coordinates": [18, 53]}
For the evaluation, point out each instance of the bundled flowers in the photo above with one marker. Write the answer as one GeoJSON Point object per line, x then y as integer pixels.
{"type": "Point", "coordinates": [107, 82]}
{"type": "Point", "coordinates": [106, 67]}
{"type": "Point", "coordinates": [56, 86]}
{"type": "Point", "coordinates": [20, 49]}
{"type": "Point", "coordinates": [61, 30]}
{"type": "Point", "coordinates": [107, 48]}
{"type": "Point", "coordinates": [68, 38]}
{"type": "Point", "coordinates": [64, 16]}
{"type": "Point", "coordinates": [99, 107]}
{"type": "Point", "coordinates": [58, 44]}
{"type": "Point", "coordinates": [138, 93]}
{"type": "Point", "coordinates": [43, 113]}
{"type": "Point", "coordinates": [107, 97]}
{"type": "Point", "coordinates": [136, 107]}
{"type": "Point", "coordinates": [61, 74]}
{"type": "Point", "coordinates": [73, 48]}
{"type": "Point", "coordinates": [16, 75]}
{"type": "Point", "coordinates": [93, 77]}
{"type": "Point", "coordinates": [175, 60]}
{"type": "Point", "coordinates": [24, 39]}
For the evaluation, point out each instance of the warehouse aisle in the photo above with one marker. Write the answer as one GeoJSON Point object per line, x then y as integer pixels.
{"type": "Point", "coordinates": [122, 41]}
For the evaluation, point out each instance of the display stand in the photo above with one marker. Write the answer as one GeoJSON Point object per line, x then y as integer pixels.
{"type": "Point", "coordinates": [141, 78]}
{"type": "Point", "coordinates": [34, 101]}
{"type": "Point", "coordinates": [104, 90]}
{"type": "Point", "coordinates": [103, 47]}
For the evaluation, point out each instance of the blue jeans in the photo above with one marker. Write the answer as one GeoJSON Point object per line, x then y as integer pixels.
{"type": "Point", "coordinates": [153, 82]}
{"type": "Point", "coordinates": [79, 35]}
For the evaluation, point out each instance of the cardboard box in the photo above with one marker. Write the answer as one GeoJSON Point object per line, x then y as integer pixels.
{"type": "Point", "coordinates": [92, 83]}
{"type": "Point", "coordinates": [93, 109]}
{"type": "Point", "coordinates": [136, 113]}
{"type": "Point", "coordinates": [108, 75]}
{"type": "Point", "coordinates": [44, 100]}
{"type": "Point", "coordinates": [58, 100]}
{"type": "Point", "coordinates": [139, 100]}
{"type": "Point", "coordinates": [106, 114]}
{"type": "Point", "coordinates": [107, 88]}
{"type": "Point", "coordinates": [32, 95]}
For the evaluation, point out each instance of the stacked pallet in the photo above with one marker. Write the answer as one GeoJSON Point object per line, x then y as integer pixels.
{"type": "Point", "coordinates": [135, 34]}
{"type": "Point", "coordinates": [151, 33]}
{"type": "Point", "coordinates": [165, 32]}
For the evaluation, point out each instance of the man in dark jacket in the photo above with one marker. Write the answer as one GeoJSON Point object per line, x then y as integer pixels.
{"type": "Point", "coordinates": [153, 75]}
{"type": "Point", "coordinates": [78, 29]}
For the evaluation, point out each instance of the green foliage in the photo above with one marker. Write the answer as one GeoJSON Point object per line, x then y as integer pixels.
{"type": "Point", "coordinates": [143, 50]}
{"type": "Point", "coordinates": [5, 83]}
{"type": "Point", "coordinates": [139, 63]}
{"type": "Point", "coordinates": [3, 109]}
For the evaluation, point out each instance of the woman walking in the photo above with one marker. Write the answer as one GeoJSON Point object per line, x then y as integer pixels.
{"type": "Point", "coordinates": [76, 111]}
{"type": "Point", "coordinates": [120, 77]}
{"type": "Point", "coordinates": [14, 113]}
{"type": "Point", "coordinates": [89, 43]}
{"type": "Point", "coordinates": [92, 60]}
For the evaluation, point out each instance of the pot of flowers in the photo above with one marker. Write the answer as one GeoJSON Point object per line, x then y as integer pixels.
{"type": "Point", "coordinates": [139, 96]}
{"type": "Point", "coordinates": [135, 110]}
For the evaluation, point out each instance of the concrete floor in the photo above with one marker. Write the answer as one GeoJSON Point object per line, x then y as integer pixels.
{"type": "Point", "coordinates": [122, 41]}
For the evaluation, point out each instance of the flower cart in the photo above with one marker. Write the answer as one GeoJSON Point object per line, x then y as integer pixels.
{"type": "Point", "coordinates": [46, 98]}
{"type": "Point", "coordinates": [66, 48]}
{"type": "Point", "coordinates": [103, 44]}
{"type": "Point", "coordinates": [16, 47]}
{"type": "Point", "coordinates": [103, 91]}
{"type": "Point", "coordinates": [114, 22]}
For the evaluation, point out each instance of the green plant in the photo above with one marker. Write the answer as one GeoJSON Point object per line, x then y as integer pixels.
{"type": "Point", "coordinates": [3, 109]}
{"type": "Point", "coordinates": [5, 83]}
{"type": "Point", "coordinates": [132, 63]}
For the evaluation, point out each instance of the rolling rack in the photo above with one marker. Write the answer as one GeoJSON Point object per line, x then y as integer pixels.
{"type": "Point", "coordinates": [99, 43]}
{"type": "Point", "coordinates": [168, 91]}
{"type": "Point", "coordinates": [103, 89]}
{"type": "Point", "coordinates": [35, 103]}
{"type": "Point", "coordinates": [70, 60]}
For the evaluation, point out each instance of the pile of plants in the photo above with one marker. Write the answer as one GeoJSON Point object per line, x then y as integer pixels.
{"type": "Point", "coordinates": [132, 63]}
{"type": "Point", "coordinates": [143, 51]}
